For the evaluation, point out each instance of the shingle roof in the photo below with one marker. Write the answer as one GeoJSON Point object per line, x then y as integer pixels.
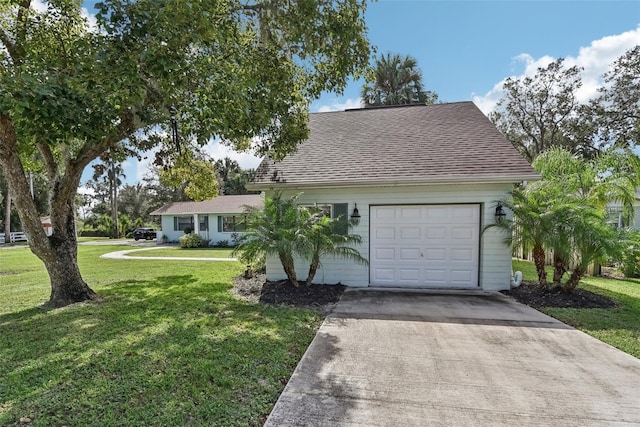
{"type": "Point", "coordinates": [220, 204]}
{"type": "Point", "coordinates": [445, 143]}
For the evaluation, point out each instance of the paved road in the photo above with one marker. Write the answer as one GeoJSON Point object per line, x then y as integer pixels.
{"type": "Point", "coordinates": [408, 359]}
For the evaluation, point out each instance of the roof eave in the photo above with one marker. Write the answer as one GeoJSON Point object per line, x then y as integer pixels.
{"type": "Point", "coordinates": [503, 179]}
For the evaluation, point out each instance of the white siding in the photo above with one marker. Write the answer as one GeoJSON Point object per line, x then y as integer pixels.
{"type": "Point", "coordinates": [495, 257]}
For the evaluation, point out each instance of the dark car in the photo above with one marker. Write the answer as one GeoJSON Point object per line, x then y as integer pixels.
{"type": "Point", "coordinates": [144, 233]}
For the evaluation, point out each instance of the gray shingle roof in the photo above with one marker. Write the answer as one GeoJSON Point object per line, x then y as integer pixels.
{"type": "Point", "coordinates": [445, 143]}
{"type": "Point", "coordinates": [220, 204]}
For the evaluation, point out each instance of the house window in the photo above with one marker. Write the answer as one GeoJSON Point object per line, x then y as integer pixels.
{"type": "Point", "coordinates": [204, 223]}
{"type": "Point", "coordinates": [231, 224]}
{"type": "Point", "coordinates": [182, 222]}
{"type": "Point", "coordinates": [335, 210]}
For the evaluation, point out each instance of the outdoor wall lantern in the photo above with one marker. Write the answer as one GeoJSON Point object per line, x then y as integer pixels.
{"type": "Point", "coordinates": [355, 216]}
{"type": "Point", "coordinates": [500, 213]}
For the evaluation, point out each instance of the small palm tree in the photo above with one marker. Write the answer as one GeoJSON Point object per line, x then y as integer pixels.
{"type": "Point", "coordinates": [593, 241]}
{"type": "Point", "coordinates": [277, 229]}
{"type": "Point", "coordinates": [323, 240]}
{"type": "Point", "coordinates": [531, 226]}
{"type": "Point", "coordinates": [396, 80]}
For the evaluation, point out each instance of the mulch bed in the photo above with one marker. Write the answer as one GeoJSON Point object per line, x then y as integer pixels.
{"type": "Point", "coordinates": [532, 295]}
{"type": "Point", "coordinates": [323, 297]}
{"type": "Point", "coordinates": [258, 289]}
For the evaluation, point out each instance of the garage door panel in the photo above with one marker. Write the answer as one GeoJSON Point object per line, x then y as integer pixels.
{"type": "Point", "coordinates": [411, 214]}
{"type": "Point", "coordinates": [436, 233]}
{"type": "Point", "coordinates": [435, 254]}
{"type": "Point", "coordinates": [386, 233]}
{"type": "Point", "coordinates": [463, 233]}
{"type": "Point", "coordinates": [409, 274]}
{"type": "Point", "coordinates": [410, 233]}
{"type": "Point", "coordinates": [410, 254]}
{"type": "Point", "coordinates": [462, 255]}
{"type": "Point", "coordinates": [384, 254]}
{"type": "Point", "coordinates": [464, 212]}
{"type": "Point", "coordinates": [425, 245]}
{"type": "Point", "coordinates": [384, 274]}
{"type": "Point", "coordinates": [463, 275]}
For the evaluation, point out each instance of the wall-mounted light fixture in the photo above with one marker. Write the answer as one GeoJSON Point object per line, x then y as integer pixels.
{"type": "Point", "coordinates": [355, 215]}
{"type": "Point", "coordinates": [500, 213]}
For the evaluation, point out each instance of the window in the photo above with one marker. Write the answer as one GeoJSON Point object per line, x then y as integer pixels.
{"type": "Point", "coordinates": [335, 210]}
{"type": "Point", "coordinates": [182, 222]}
{"type": "Point", "coordinates": [326, 208]}
{"type": "Point", "coordinates": [231, 224]}
{"type": "Point", "coordinates": [204, 222]}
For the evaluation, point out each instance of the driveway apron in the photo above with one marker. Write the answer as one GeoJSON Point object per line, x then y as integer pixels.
{"type": "Point", "coordinates": [416, 359]}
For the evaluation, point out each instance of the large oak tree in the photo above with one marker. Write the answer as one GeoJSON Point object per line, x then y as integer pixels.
{"type": "Point", "coordinates": [242, 71]}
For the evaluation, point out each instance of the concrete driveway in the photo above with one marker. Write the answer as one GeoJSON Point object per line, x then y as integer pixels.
{"type": "Point", "coordinates": [415, 359]}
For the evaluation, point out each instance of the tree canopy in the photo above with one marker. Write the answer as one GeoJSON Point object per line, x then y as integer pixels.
{"type": "Point", "coordinates": [395, 80]}
{"type": "Point", "coordinates": [543, 111]}
{"type": "Point", "coordinates": [244, 72]}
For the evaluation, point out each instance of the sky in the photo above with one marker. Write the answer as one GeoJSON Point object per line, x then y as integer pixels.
{"type": "Point", "coordinates": [466, 49]}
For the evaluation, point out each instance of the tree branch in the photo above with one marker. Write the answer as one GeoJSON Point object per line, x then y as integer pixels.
{"type": "Point", "coordinates": [8, 44]}
{"type": "Point", "coordinates": [49, 161]}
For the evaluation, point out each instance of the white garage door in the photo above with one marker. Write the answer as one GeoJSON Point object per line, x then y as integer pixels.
{"type": "Point", "coordinates": [425, 246]}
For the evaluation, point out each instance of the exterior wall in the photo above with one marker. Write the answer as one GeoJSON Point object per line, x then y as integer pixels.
{"type": "Point", "coordinates": [212, 235]}
{"type": "Point", "coordinates": [495, 256]}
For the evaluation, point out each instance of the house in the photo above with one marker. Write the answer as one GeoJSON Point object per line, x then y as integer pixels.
{"type": "Point", "coordinates": [424, 180]}
{"type": "Point", "coordinates": [214, 220]}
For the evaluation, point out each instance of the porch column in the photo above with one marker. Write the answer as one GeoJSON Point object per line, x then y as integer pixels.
{"type": "Point", "coordinates": [196, 224]}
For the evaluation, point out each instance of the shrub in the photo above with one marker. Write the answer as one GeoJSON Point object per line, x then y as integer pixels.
{"type": "Point", "coordinates": [192, 241]}
{"type": "Point", "coordinates": [630, 259]}
{"type": "Point", "coordinates": [222, 244]}
{"type": "Point", "coordinates": [187, 230]}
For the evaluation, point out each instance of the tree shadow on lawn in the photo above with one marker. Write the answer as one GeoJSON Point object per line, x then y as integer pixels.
{"type": "Point", "coordinates": [168, 351]}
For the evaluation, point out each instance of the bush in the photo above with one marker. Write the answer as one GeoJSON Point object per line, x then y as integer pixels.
{"type": "Point", "coordinates": [187, 230]}
{"type": "Point", "coordinates": [222, 244]}
{"type": "Point", "coordinates": [192, 241]}
{"type": "Point", "coordinates": [630, 262]}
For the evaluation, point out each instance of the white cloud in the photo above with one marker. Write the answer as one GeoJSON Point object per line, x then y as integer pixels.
{"type": "Point", "coordinates": [41, 6]}
{"type": "Point", "coordinates": [83, 189]}
{"type": "Point", "coordinates": [218, 151]}
{"type": "Point", "coordinates": [595, 59]}
{"type": "Point", "coordinates": [338, 105]}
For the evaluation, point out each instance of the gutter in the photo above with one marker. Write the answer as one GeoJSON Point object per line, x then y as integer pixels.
{"type": "Point", "coordinates": [505, 179]}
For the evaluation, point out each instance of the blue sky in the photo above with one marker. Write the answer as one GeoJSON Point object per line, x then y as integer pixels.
{"type": "Point", "coordinates": [466, 49]}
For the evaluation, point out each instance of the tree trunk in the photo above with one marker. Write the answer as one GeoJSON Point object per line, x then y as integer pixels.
{"type": "Point", "coordinates": [59, 251]}
{"type": "Point", "coordinates": [313, 269]}
{"type": "Point", "coordinates": [67, 285]}
{"type": "Point", "coordinates": [574, 279]}
{"type": "Point", "coordinates": [7, 216]}
{"type": "Point", "coordinates": [539, 261]}
{"type": "Point", "coordinates": [289, 268]}
{"type": "Point", "coordinates": [114, 200]}
{"type": "Point", "coordinates": [559, 268]}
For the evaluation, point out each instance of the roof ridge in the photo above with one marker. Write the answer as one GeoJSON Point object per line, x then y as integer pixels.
{"type": "Point", "coordinates": [382, 107]}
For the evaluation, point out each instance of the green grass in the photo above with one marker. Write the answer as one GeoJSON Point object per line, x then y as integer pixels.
{"type": "Point", "coordinates": [168, 346]}
{"type": "Point", "coordinates": [91, 239]}
{"type": "Point", "coordinates": [619, 326]}
{"type": "Point", "coordinates": [174, 251]}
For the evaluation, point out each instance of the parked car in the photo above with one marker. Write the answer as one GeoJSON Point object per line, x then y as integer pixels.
{"type": "Point", "coordinates": [144, 233]}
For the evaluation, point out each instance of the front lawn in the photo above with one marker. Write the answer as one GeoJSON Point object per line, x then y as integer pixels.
{"type": "Point", "coordinates": [618, 326]}
{"type": "Point", "coordinates": [174, 251]}
{"type": "Point", "coordinates": [168, 346]}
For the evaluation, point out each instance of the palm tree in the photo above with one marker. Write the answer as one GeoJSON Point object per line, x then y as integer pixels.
{"type": "Point", "coordinates": [277, 229]}
{"type": "Point", "coordinates": [579, 186]}
{"type": "Point", "coordinates": [531, 226]}
{"type": "Point", "coordinates": [593, 240]}
{"type": "Point", "coordinates": [396, 80]}
{"type": "Point", "coordinates": [323, 240]}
